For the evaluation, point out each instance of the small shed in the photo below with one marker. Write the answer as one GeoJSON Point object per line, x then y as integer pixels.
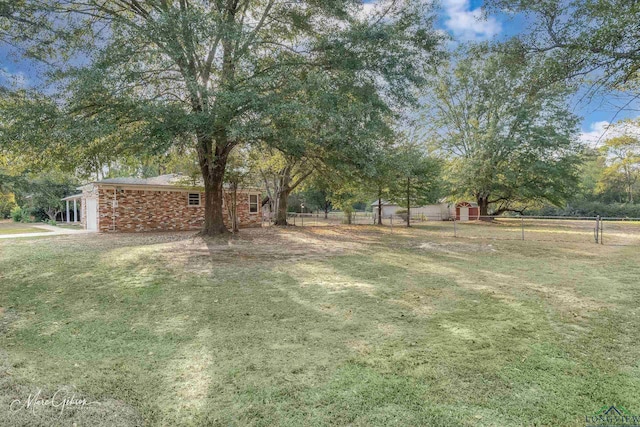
{"type": "Point", "coordinates": [388, 208]}
{"type": "Point", "coordinates": [466, 211]}
{"type": "Point", "coordinates": [442, 211]}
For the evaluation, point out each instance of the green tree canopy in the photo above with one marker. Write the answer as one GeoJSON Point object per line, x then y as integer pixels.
{"type": "Point", "coordinates": [417, 177]}
{"type": "Point", "coordinates": [598, 38]}
{"type": "Point", "coordinates": [622, 154]}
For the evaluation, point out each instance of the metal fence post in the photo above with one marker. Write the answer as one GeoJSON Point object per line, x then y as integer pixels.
{"type": "Point", "coordinates": [597, 230]}
{"type": "Point", "coordinates": [522, 227]}
{"type": "Point", "coordinates": [302, 219]}
{"type": "Point", "coordinates": [455, 232]}
{"type": "Point", "coordinates": [601, 231]}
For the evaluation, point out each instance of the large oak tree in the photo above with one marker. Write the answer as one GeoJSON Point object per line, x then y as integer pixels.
{"type": "Point", "coordinates": [506, 130]}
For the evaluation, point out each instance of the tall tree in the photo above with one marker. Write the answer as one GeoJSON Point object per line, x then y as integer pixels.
{"type": "Point", "coordinates": [622, 155]}
{"type": "Point", "coordinates": [416, 177]}
{"type": "Point", "coordinates": [227, 72]}
{"type": "Point", "coordinates": [316, 192]}
{"type": "Point", "coordinates": [383, 176]}
{"type": "Point", "coordinates": [281, 175]}
{"type": "Point", "coordinates": [237, 176]}
{"type": "Point", "coordinates": [507, 132]}
{"type": "Point", "coordinates": [46, 190]}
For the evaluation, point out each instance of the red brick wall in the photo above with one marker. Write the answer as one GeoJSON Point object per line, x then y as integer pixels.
{"type": "Point", "coordinates": [161, 210]}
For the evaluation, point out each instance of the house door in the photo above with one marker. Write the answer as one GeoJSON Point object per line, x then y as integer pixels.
{"type": "Point", "coordinates": [464, 214]}
{"type": "Point", "coordinates": [92, 214]}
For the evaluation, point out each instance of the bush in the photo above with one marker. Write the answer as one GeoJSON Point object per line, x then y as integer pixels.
{"type": "Point", "coordinates": [7, 204]}
{"type": "Point", "coordinates": [590, 208]}
{"type": "Point", "coordinates": [16, 214]}
{"type": "Point", "coordinates": [402, 213]}
{"type": "Point", "coordinates": [21, 214]}
{"type": "Point", "coordinates": [38, 214]}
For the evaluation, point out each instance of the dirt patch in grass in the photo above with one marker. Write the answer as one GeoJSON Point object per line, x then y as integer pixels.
{"type": "Point", "coordinates": [455, 247]}
{"type": "Point", "coordinates": [7, 318]}
{"type": "Point", "coordinates": [264, 245]}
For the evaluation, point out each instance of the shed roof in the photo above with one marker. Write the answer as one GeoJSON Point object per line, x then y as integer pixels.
{"type": "Point", "coordinates": [384, 203]}
{"type": "Point", "coordinates": [466, 204]}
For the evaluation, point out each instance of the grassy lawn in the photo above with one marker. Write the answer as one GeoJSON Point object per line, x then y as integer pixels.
{"type": "Point", "coordinates": [10, 227]}
{"type": "Point", "coordinates": [318, 326]}
{"type": "Point", "coordinates": [70, 226]}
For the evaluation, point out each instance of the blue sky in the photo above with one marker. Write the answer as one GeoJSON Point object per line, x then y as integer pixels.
{"type": "Point", "coordinates": [463, 19]}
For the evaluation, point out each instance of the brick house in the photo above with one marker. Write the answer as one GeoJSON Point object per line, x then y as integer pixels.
{"type": "Point", "coordinates": [162, 203]}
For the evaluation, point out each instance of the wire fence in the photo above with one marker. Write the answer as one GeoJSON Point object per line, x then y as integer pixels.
{"type": "Point", "coordinates": [356, 218]}
{"type": "Point", "coordinates": [597, 230]}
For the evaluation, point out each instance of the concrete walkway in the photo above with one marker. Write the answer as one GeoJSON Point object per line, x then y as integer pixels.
{"type": "Point", "coordinates": [53, 231]}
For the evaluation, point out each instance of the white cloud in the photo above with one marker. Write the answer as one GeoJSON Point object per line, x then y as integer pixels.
{"type": "Point", "coordinates": [368, 9]}
{"type": "Point", "coordinates": [467, 24]}
{"type": "Point", "coordinates": [599, 132]}
{"type": "Point", "coordinates": [595, 133]}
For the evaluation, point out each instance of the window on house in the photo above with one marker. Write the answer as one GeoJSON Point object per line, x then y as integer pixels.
{"type": "Point", "coordinates": [194, 199]}
{"type": "Point", "coordinates": [253, 203]}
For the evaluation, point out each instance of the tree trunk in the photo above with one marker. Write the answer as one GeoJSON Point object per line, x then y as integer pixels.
{"type": "Point", "coordinates": [52, 214]}
{"type": "Point", "coordinates": [281, 215]}
{"type": "Point", "coordinates": [212, 167]}
{"type": "Point", "coordinates": [483, 206]}
{"type": "Point", "coordinates": [379, 206]}
{"type": "Point", "coordinates": [408, 202]}
{"type": "Point", "coordinates": [232, 207]}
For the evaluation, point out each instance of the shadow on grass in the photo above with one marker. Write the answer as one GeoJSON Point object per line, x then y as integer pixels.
{"type": "Point", "coordinates": [189, 332]}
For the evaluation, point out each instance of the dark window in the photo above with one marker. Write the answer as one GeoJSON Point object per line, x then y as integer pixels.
{"type": "Point", "coordinates": [194, 199]}
{"type": "Point", "coordinates": [253, 203]}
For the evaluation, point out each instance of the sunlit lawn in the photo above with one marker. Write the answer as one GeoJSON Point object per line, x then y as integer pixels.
{"type": "Point", "coordinates": [10, 227]}
{"type": "Point", "coordinates": [318, 326]}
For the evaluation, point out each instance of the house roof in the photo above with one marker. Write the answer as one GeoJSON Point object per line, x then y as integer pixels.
{"type": "Point", "coordinates": [168, 180]}
{"type": "Point", "coordinates": [384, 203]}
